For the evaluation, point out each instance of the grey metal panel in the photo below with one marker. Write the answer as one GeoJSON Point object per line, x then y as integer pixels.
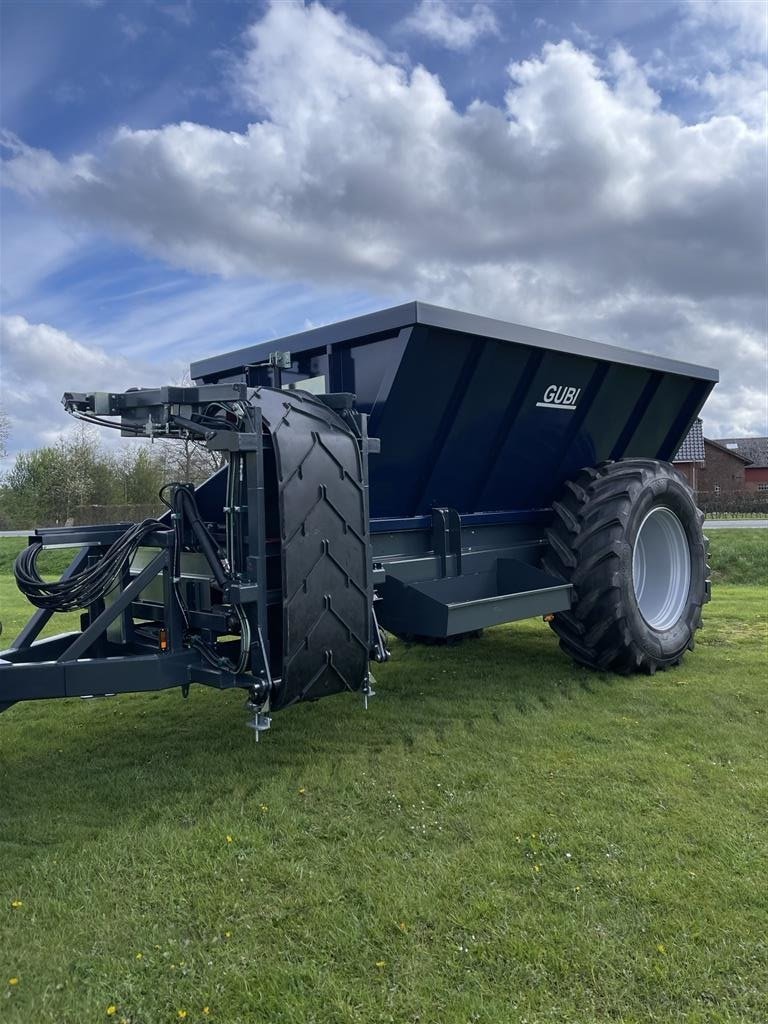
{"type": "Point", "coordinates": [392, 319]}
{"type": "Point", "coordinates": [451, 605]}
{"type": "Point", "coordinates": [470, 323]}
{"type": "Point", "coordinates": [411, 313]}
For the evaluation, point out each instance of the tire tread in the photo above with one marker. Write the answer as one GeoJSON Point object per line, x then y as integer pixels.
{"type": "Point", "coordinates": [586, 541]}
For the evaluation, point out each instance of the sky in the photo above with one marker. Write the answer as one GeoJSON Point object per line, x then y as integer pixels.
{"type": "Point", "coordinates": [180, 179]}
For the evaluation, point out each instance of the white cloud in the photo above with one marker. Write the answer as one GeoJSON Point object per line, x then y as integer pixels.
{"type": "Point", "coordinates": [746, 21]}
{"type": "Point", "coordinates": [443, 23]}
{"type": "Point", "coordinates": [742, 91]}
{"type": "Point", "coordinates": [581, 204]}
{"type": "Point", "coordinates": [40, 363]}
{"type": "Point", "coordinates": [715, 56]}
{"type": "Point", "coordinates": [44, 354]}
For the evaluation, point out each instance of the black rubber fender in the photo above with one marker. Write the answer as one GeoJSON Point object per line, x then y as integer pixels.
{"type": "Point", "coordinates": [325, 550]}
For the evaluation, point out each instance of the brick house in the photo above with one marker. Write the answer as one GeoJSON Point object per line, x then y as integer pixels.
{"type": "Point", "coordinates": [709, 466]}
{"type": "Point", "coordinates": [723, 471]}
{"type": "Point", "coordinates": [756, 450]}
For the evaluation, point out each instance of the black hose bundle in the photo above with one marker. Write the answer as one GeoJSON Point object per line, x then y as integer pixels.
{"type": "Point", "coordinates": [82, 588]}
{"type": "Point", "coordinates": [183, 505]}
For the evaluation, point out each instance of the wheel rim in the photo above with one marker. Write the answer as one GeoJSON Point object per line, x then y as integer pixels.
{"type": "Point", "coordinates": [661, 568]}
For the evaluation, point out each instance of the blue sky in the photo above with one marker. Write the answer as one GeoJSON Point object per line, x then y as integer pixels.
{"type": "Point", "coordinates": [181, 178]}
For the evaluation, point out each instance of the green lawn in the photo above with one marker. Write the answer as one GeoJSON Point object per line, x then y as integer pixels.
{"type": "Point", "coordinates": [501, 838]}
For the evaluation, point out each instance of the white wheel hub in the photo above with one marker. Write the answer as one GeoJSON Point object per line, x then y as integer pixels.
{"type": "Point", "coordinates": [661, 568]}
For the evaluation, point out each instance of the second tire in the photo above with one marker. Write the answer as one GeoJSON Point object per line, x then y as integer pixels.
{"type": "Point", "coordinates": [628, 536]}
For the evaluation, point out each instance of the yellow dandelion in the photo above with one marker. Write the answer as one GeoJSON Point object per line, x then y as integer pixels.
{"type": "Point", "coordinates": [227, 935]}
{"type": "Point", "coordinates": [229, 839]}
{"type": "Point", "coordinates": [403, 927]}
{"type": "Point", "coordinates": [302, 791]}
{"type": "Point", "coordinates": [111, 1010]}
{"type": "Point", "coordinates": [139, 956]}
{"type": "Point", "coordinates": [536, 867]}
{"type": "Point", "coordinates": [13, 981]}
{"type": "Point", "coordinates": [16, 904]}
{"type": "Point", "coordinates": [381, 963]}
{"type": "Point", "coordinates": [661, 947]}
{"type": "Point", "coordinates": [264, 808]}
{"type": "Point", "coordinates": [181, 1014]}
{"type": "Point", "coordinates": [206, 1010]}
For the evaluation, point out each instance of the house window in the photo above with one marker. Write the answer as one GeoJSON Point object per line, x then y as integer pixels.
{"type": "Point", "coordinates": [762, 487]}
{"type": "Point", "coordinates": [717, 488]}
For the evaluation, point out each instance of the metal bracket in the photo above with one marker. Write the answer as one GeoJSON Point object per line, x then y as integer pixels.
{"type": "Point", "coordinates": [282, 360]}
{"type": "Point", "coordinates": [368, 690]}
{"type": "Point", "coordinates": [260, 719]}
{"type": "Point", "coordinates": [379, 649]}
{"type": "Point", "coordinates": [446, 538]}
{"type": "Point", "coordinates": [259, 723]}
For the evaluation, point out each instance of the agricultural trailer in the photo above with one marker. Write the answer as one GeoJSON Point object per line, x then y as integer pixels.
{"type": "Point", "coordinates": [417, 471]}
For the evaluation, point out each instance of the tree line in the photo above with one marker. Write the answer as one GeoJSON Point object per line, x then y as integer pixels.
{"type": "Point", "coordinates": [78, 480]}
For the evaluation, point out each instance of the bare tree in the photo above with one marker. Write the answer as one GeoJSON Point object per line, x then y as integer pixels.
{"type": "Point", "coordinates": [186, 459]}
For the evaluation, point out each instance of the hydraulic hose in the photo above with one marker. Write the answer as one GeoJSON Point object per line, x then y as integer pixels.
{"type": "Point", "coordinates": [90, 584]}
{"type": "Point", "coordinates": [185, 504]}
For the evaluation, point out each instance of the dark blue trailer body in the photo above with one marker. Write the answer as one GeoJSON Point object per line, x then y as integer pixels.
{"type": "Point", "coordinates": [478, 415]}
{"type": "Point", "coordinates": [449, 472]}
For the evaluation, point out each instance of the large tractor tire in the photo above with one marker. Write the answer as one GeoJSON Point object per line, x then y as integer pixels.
{"type": "Point", "coordinates": [628, 536]}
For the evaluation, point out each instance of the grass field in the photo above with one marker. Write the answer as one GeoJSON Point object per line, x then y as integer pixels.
{"type": "Point", "coordinates": [502, 837]}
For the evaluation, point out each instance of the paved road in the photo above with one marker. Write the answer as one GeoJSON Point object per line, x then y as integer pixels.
{"type": "Point", "coordinates": [736, 524]}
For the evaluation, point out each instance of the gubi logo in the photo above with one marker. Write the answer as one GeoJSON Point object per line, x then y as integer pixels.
{"type": "Point", "coordinates": [558, 396]}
